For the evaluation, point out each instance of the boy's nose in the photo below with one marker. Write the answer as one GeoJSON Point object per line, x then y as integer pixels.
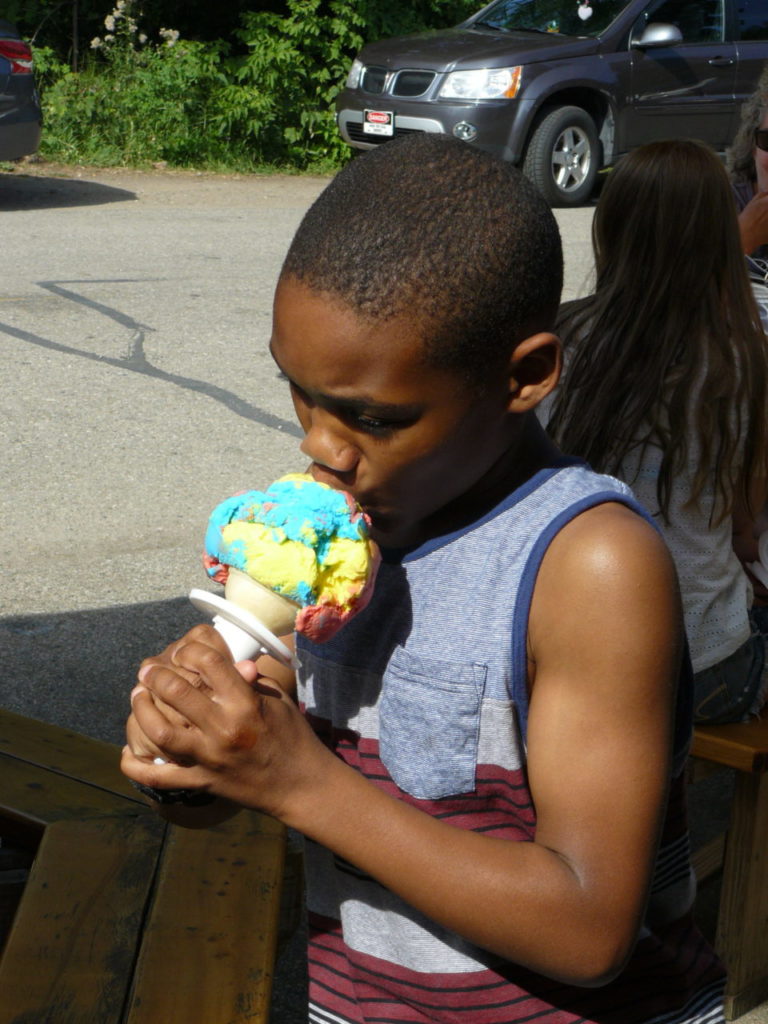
{"type": "Point", "coordinates": [328, 449]}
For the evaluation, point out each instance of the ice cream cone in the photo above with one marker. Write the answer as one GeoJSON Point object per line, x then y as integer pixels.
{"type": "Point", "coordinates": [277, 613]}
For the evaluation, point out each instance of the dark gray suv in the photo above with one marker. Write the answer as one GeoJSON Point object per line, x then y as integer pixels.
{"type": "Point", "coordinates": [564, 87]}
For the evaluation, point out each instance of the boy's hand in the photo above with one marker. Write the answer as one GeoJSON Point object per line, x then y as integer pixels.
{"type": "Point", "coordinates": [221, 728]}
{"type": "Point", "coordinates": [136, 738]}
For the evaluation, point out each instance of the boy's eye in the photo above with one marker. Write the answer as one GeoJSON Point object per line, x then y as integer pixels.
{"type": "Point", "coordinates": [372, 425]}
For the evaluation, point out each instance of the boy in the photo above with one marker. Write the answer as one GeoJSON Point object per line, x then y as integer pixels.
{"type": "Point", "coordinates": [488, 767]}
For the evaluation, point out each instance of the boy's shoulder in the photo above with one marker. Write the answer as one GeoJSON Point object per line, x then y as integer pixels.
{"type": "Point", "coordinates": [601, 522]}
{"type": "Point", "coordinates": [613, 570]}
{"type": "Point", "coordinates": [569, 485]}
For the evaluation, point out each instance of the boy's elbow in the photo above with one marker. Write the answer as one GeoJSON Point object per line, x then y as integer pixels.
{"type": "Point", "coordinates": [597, 974]}
{"type": "Point", "coordinates": [583, 958]}
{"type": "Point", "coordinates": [597, 959]}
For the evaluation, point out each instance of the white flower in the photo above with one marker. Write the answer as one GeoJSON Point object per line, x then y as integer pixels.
{"type": "Point", "coordinates": [109, 23]}
{"type": "Point", "coordinates": [142, 38]}
{"type": "Point", "coordinates": [96, 43]}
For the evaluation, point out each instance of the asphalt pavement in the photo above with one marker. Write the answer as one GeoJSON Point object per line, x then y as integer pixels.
{"type": "Point", "coordinates": [137, 393]}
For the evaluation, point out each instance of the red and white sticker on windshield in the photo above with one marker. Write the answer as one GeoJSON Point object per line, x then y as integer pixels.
{"type": "Point", "coordinates": [378, 122]}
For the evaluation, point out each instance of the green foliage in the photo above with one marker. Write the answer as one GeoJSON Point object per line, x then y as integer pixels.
{"type": "Point", "coordinates": [265, 97]}
{"type": "Point", "coordinates": [136, 101]}
{"type": "Point", "coordinates": [280, 101]}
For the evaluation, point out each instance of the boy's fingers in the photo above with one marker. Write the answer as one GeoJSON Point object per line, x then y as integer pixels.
{"type": "Point", "coordinates": [214, 667]}
{"type": "Point", "coordinates": [200, 634]}
{"type": "Point", "coordinates": [138, 741]}
{"type": "Point", "coordinates": [150, 663]}
{"type": "Point", "coordinates": [167, 776]}
{"type": "Point", "coordinates": [166, 686]}
{"type": "Point", "coordinates": [158, 731]}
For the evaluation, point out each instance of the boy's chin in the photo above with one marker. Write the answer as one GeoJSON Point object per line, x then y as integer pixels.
{"type": "Point", "coordinates": [388, 532]}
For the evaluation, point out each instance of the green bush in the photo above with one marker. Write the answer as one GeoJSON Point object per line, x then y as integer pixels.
{"type": "Point", "coordinates": [135, 102]}
{"type": "Point", "coordinates": [199, 104]}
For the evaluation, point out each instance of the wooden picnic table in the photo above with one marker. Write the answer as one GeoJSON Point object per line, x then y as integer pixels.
{"type": "Point", "coordinates": [125, 919]}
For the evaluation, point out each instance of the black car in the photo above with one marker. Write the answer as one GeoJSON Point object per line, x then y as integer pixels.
{"type": "Point", "coordinates": [564, 87]}
{"type": "Point", "coordinates": [20, 115]}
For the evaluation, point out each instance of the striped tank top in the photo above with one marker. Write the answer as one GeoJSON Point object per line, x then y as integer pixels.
{"type": "Point", "coordinates": [425, 694]}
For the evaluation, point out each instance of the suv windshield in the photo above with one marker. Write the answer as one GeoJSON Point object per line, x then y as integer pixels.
{"type": "Point", "coordinates": [566, 17]}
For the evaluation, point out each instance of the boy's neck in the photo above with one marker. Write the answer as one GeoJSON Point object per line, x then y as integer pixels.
{"type": "Point", "coordinates": [530, 451]}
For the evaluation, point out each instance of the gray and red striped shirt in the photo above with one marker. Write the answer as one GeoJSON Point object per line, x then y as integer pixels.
{"type": "Point", "coordinates": [425, 694]}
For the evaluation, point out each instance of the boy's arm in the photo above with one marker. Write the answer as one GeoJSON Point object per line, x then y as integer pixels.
{"type": "Point", "coordinates": [604, 646]}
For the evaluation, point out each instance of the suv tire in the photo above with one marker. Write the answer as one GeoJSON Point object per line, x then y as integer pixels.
{"type": "Point", "coordinates": [562, 157]}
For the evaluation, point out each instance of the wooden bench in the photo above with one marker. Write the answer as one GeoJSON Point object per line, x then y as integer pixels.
{"type": "Point", "coordinates": [742, 925]}
{"type": "Point", "coordinates": [125, 919]}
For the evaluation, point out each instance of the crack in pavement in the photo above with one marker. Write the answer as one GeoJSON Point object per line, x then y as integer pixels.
{"type": "Point", "coordinates": [136, 360]}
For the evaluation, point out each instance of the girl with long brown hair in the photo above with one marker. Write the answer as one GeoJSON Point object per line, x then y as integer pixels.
{"type": "Point", "coordinates": [666, 386]}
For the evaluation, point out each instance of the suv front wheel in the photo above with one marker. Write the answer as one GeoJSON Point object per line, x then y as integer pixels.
{"type": "Point", "coordinates": [562, 158]}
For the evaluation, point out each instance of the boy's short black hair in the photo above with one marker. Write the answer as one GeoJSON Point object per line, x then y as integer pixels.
{"type": "Point", "coordinates": [431, 228]}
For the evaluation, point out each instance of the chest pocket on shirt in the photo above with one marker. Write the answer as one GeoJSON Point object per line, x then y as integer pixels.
{"type": "Point", "coordinates": [429, 722]}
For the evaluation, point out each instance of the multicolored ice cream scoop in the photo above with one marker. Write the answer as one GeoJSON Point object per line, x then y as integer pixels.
{"type": "Point", "coordinates": [298, 555]}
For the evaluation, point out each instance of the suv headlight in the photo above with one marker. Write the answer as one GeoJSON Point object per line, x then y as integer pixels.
{"type": "Point", "coordinates": [353, 78]}
{"type": "Point", "coordinates": [482, 84]}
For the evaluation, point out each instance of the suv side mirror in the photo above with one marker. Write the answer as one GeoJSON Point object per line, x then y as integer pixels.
{"type": "Point", "coordinates": [658, 33]}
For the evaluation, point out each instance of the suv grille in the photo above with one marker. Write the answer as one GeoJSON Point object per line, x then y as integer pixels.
{"type": "Point", "coordinates": [373, 80]}
{"type": "Point", "coordinates": [412, 83]}
{"type": "Point", "coordinates": [404, 83]}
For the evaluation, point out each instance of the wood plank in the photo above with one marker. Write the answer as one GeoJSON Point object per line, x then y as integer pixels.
{"type": "Point", "coordinates": [60, 750]}
{"type": "Point", "coordinates": [215, 914]}
{"type": "Point", "coordinates": [742, 933]}
{"type": "Point", "coordinates": [69, 955]}
{"type": "Point", "coordinates": [743, 746]}
{"type": "Point", "coordinates": [38, 797]}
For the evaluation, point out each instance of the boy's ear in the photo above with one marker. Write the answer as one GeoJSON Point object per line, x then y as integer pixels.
{"type": "Point", "coordinates": [534, 370]}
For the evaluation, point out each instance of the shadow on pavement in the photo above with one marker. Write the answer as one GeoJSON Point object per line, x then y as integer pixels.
{"type": "Point", "coordinates": [32, 192]}
{"type": "Point", "coordinates": [77, 669]}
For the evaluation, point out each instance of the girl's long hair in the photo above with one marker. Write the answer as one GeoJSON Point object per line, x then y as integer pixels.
{"type": "Point", "coordinates": [670, 345]}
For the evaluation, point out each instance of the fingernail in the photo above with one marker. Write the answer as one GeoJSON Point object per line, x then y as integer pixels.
{"type": "Point", "coordinates": [137, 690]}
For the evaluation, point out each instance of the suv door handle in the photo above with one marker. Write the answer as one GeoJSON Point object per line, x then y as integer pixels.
{"type": "Point", "coordinates": [721, 62]}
